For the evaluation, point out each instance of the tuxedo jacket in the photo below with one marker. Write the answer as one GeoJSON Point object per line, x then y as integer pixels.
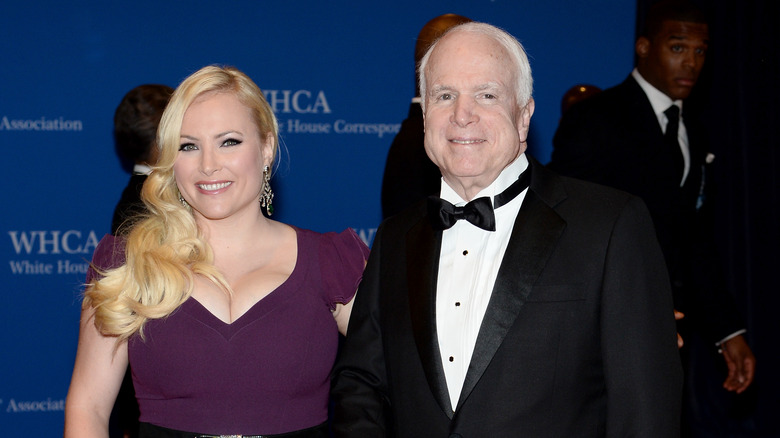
{"type": "Point", "coordinates": [409, 174]}
{"type": "Point", "coordinates": [614, 138]}
{"type": "Point", "coordinates": [578, 339]}
{"type": "Point", "coordinates": [130, 204]}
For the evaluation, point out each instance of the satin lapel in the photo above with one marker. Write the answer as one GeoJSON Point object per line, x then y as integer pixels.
{"type": "Point", "coordinates": [534, 237]}
{"type": "Point", "coordinates": [423, 246]}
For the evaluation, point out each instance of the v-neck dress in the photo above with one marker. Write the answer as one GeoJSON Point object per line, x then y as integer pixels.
{"type": "Point", "coordinates": [268, 372]}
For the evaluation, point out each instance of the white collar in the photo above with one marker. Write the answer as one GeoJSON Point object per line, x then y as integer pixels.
{"type": "Point", "coordinates": [660, 101]}
{"type": "Point", "coordinates": [507, 176]}
{"type": "Point", "coordinates": [141, 169]}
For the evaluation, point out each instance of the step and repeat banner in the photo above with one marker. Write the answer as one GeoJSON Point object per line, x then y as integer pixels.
{"type": "Point", "coordinates": [339, 75]}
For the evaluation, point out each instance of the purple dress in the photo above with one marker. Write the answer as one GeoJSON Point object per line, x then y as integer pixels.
{"type": "Point", "coordinates": [266, 373]}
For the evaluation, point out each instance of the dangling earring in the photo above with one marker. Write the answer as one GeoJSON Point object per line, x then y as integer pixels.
{"type": "Point", "coordinates": [183, 201]}
{"type": "Point", "coordinates": [268, 195]}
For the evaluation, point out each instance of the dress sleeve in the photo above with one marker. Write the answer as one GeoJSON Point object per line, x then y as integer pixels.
{"type": "Point", "coordinates": [342, 259]}
{"type": "Point", "coordinates": [109, 254]}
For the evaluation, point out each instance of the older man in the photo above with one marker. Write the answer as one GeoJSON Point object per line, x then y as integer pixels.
{"type": "Point", "coordinates": [505, 310]}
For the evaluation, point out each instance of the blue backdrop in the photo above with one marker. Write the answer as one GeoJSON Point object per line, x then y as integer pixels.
{"type": "Point", "coordinates": [342, 69]}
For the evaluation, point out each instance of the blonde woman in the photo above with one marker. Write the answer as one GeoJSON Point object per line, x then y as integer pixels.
{"type": "Point", "coordinates": [229, 319]}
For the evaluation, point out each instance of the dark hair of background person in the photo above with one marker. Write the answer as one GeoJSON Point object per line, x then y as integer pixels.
{"type": "Point", "coordinates": [576, 94]}
{"type": "Point", "coordinates": [433, 29]}
{"type": "Point", "coordinates": [136, 119]}
{"type": "Point", "coordinates": [135, 130]}
{"type": "Point", "coordinates": [670, 10]}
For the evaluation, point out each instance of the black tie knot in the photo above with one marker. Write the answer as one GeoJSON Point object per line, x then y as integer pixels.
{"type": "Point", "coordinates": [478, 211]}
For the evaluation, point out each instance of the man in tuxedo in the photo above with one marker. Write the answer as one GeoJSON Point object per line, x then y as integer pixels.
{"type": "Point", "coordinates": [640, 137]}
{"type": "Point", "coordinates": [409, 174]}
{"type": "Point", "coordinates": [135, 128]}
{"type": "Point", "coordinates": [536, 306]}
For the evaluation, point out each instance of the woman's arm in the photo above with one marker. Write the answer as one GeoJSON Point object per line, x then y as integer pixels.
{"type": "Point", "coordinates": [341, 314]}
{"type": "Point", "coordinates": [97, 375]}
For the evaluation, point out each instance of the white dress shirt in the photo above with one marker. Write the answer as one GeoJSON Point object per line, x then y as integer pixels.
{"type": "Point", "coordinates": [661, 102]}
{"type": "Point", "coordinates": [141, 169]}
{"type": "Point", "coordinates": [468, 267]}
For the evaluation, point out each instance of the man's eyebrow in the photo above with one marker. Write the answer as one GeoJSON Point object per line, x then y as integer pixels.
{"type": "Point", "coordinates": [439, 88]}
{"type": "Point", "coordinates": [480, 87]}
{"type": "Point", "coordinates": [683, 38]}
{"type": "Point", "coordinates": [488, 86]}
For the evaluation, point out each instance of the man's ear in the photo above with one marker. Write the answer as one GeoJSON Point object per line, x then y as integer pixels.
{"type": "Point", "coordinates": [642, 47]}
{"type": "Point", "coordinates": [524, 121]}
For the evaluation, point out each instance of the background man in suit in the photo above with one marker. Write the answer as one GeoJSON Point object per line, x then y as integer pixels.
{"type": "Point", "coordinates": [547, 312]}
{"type": "Point", "coordinates": [631, 137]}
{"type": "Point", "coordinates": [409, 173]}
{"type": "Point", "coordinates": [135, 127]}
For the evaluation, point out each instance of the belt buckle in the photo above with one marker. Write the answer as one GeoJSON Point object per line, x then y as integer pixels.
{"type": "Point", "coordinates": [228, 436]}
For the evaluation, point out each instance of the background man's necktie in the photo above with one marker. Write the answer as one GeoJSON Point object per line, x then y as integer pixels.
{"type": "Point", "coordinates": [671, 143]}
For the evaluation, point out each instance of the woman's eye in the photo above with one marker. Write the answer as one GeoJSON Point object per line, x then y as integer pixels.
{"type": "Point", "coordinates": [231, 142]}
{"type": "Point", "coordinates": [188, 147]}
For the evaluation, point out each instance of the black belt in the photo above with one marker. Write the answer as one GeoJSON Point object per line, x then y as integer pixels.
{"type": "Point", "coordinates": [148, 430]}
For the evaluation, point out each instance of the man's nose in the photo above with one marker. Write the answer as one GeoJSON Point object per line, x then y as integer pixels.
{"type": "Point", "coordinates": [693, 60]}
{"type": "Point", "coordinates": [464, 112]}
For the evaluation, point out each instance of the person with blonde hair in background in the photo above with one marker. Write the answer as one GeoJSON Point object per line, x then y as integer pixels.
{"type": "Point", "coordinates": [229, 319]}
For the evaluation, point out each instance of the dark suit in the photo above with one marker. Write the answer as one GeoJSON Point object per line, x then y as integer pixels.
{"type": "Point", "coordinates": [578, 339]}
{"type": "Point", "coordinates": [409, 174]}
{"type": "Point", "coordinates": [130, 203]}
{"type": "Point", "coordinates": [614, 138]}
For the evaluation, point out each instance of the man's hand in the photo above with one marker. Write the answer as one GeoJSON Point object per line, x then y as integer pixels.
{"type": "Point", "coordinates": [741, 363]}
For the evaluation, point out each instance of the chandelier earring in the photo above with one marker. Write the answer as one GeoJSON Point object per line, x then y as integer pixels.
{"type": "Point", "coordinates": [266, 198]}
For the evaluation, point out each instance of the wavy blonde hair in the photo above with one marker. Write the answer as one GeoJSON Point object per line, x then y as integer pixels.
{"type": "Point", "coordinates": [165, 249]}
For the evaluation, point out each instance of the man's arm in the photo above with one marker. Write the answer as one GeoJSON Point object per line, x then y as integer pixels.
{"type": "Point", "coordinates": [359, 384]}
{"type": "Point", "coordinates": [639, 348]}
{"type": "Point", "coordinates": [716, 314]}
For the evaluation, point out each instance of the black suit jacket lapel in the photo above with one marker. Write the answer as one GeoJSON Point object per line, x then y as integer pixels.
{"type": "Point", "coordinates": [641, 115]}
{"type": "Point", "coordinates": [423, 246]}
{"type": "Point", "coordinates": [534, 237]}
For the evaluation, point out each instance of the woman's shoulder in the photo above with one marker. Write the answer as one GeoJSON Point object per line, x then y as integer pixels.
{"type": "Point", "coordinates": [109, 253]}
{"type": "Point", "coordinates": [345, 241]}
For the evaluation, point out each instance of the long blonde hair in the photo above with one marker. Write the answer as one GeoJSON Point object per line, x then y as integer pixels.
{"type": "Point", "coordinates": [165, 249]}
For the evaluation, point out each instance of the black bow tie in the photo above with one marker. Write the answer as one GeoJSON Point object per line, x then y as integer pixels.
{"type": "Point", "coordinates": [478, 211]}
